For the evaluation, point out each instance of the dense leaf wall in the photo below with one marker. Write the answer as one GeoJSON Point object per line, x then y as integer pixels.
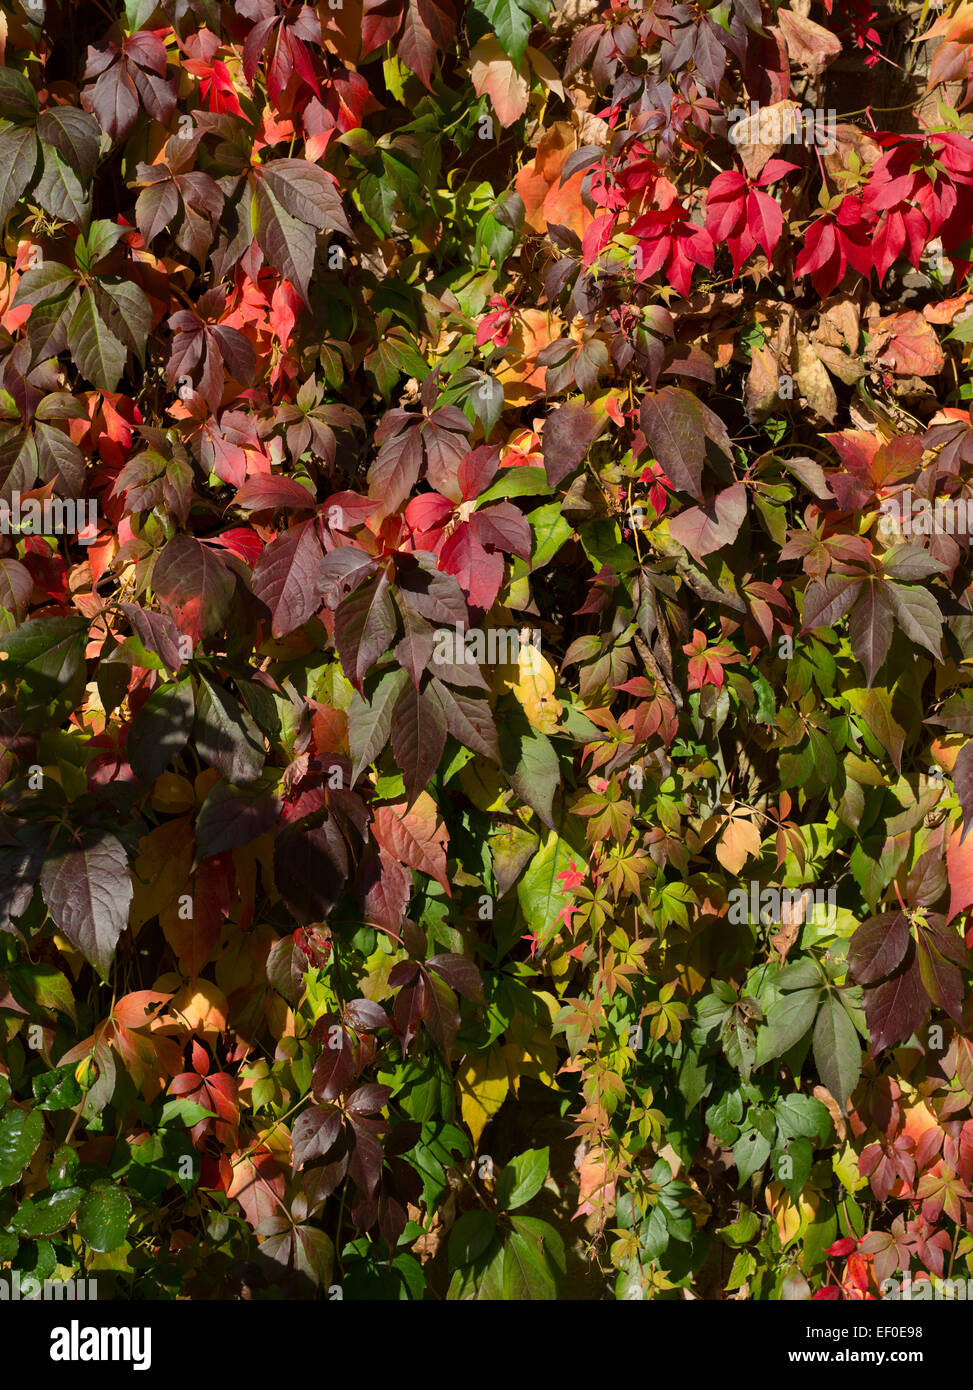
{"type": "Point", "coordinates": [483, 773]}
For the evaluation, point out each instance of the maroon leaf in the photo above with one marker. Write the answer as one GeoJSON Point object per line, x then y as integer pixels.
{"type": "Point", "coordinates": [285, 578]}
{"type": "Point", "coordinates": [826, 602]}
{"type": "Point", "coordinates": [460, 974]}
{"type": "Point", "coordinates": [314, 1134]}
{"type": "Point", "coordinates": [569, 432]}
{"type": "Point", "coordinates": [440, 1014]}
{"type": "Point", "coordinates": [265, 494]}
{"type": "Point", "coordinates": [365, 1015]}
{"type": "Point", "coordinates": [673, 424]}
{"type": "Point", "coordinates": [715, 524]}
{"type": "Point", "coordinates": [364, 627]}
{"type": "Point", "coordinates": [232, 816]}
{"type": "Point", "coordinates": [334, 1071]}
{"type": "Point", "coordinates": [395, 470]}
{"type": "Point", "coordinates": [157, 633]}
{"type": "Point", "coordinates": [368, 1100]}
{"type": "Point", "coordinates": [878, 947]}
{"type": "Point", "coordinates": [897, 1007]}
{"type": "Point", "coordinates": [87, 891]}
{"type": "Point", "coordinates": [418, 738]}
{"type": "Point", "coordinates": [468, 719]}
{"type": "Point", "coordinates": [310, 869]}
{"type": "Point", "coordinates": [193, 585]}
{"type": "Point", "coordinates": [870, 627]}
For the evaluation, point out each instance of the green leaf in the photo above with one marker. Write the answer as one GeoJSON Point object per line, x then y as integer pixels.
{"type": "Point", "coordinates": [75, 135]}
{"type": "Point", "coordinates": [103, 1217]}
{"type": "Point", "coordinates": [799, 1115]}
{"type": "Point", "coordinates": [510, 24]}
{"type": "Point", "coordinates": [750, 1152]}
{"type": "Point", "coordinates": [837, 1050]}
{"type": "Point", "coordinates": [522, 1178]}
{"type": "Point", "coordinates": [370, 721]}
{"type": "Point", "coordinates": [526, 1274]}
{"type": "Point", "coordinates": [532, 765]}
{"type": "Point", "coordinates": [97, 352]}
{"type": "Point", "coordinates": [18, 97]}
{"type": "Point", "coordinates": [525, 481]}
{"type": "Point", "coordinates": [48, 1214]}
{"type": "Point", "coordinates": [470, 1236]}
{"type": "Point", "coordinates": [47, 654]}
{"type": "Point", "coordinates": [540, 892]}
{"type": "Point", "coordinates": [184, 1112]}
{"type": "Point", "coordinates": [126, 311]}
{"type": "Point", "coordinates": [789, 1019]}
{"type": "Point", "coordinates": [550, 532]}
{"type": "Point", "coordinates": [743, 1230]}
{"type": "Point", "coordinates": [20, 1134]}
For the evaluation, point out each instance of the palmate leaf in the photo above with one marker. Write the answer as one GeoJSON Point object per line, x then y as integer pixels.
{"type": "Point", "coordinates": [418, 738]}
{"type": "Point", "coordinates": [74, 134]}
{"type": "Point", "coordinates": [193, 585]}
{"type": "Point", "coordinates": [97, 352]}
{"type": "Point", "coordinates": [160, 730]}
{"type": "Point", "coordinates": [288, 244]}
{"type": "Point", "coordinates": [837, 1049]}
{"type": "Point", "coordinates": [87, 891]}
{"type": "Point", "coordinates": [370, 721]}
{"type": "Point", "coordinates": [285, 578]}
{"type": "Point", "coordinates": [18, 162]}
{"type": "Point", "coordinates": [364, 627]}
{"type": "Point", "coordinates": [226, 736]}
{"type": "Point", "coordinates": [60, 192]}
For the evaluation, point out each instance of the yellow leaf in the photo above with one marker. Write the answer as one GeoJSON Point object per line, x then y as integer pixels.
{"type": "Point", "coordinates": [483, 1087]}
{"type": "Point", "coordinates": [172, 793]}
{"type": "Point", "coordinates": [481, 782]}
{"type": "Point", "coordinates": [529, 1051]}
{"type": "Point", "coordinates": [739, 842]}
{"type": "Point", "coordinates": [75, 960]}
{"type": "Point", "coordinates": [545, 70]}
{"type": "Point", "coordinates": [534, 689]}
{"type": "Point", "coordinates": [162, 869]}
{"type": "Point", "coordinates": [201, 1009]}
